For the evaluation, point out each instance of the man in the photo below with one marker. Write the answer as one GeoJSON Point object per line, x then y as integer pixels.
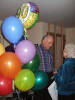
{"type": "Point", "coordinates": [45, 54]}
{"type": "Point", "coordinates": [46, 64]}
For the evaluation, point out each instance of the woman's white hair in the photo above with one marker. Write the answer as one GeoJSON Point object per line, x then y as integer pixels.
{"type": "Point", "coordinates": [70, 50]}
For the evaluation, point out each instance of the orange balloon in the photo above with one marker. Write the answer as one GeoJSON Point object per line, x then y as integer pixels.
{"type": "Point", "coordinates": [10, 64]}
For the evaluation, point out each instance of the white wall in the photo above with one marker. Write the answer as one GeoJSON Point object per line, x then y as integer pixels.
{"type": "Point", "coordinates": [70, 35]}
{"type": "Point", "coordinates": [36, 32]}
{"type": "Point", "coordinates": [41, 28]}
{"type": "Point", "coordinates": [2, 40]}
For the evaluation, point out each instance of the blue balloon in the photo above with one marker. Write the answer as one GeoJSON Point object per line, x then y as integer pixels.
{"type": "Point", "coordinates": [12, 29]}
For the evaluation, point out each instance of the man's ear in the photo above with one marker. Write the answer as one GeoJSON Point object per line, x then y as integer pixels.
{"type": "Point", "coordinates": [43, 42]}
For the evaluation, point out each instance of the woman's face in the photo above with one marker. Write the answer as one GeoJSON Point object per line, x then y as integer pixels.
{"type": "Point", "coordinates": [65, 53]}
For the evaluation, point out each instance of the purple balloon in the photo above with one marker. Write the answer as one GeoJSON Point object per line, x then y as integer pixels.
{"type": "Point", "coordinates": [26, 50]}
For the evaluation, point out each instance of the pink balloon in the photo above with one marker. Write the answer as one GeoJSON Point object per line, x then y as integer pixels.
{"type": "Point", "coordinates": [25, 50]}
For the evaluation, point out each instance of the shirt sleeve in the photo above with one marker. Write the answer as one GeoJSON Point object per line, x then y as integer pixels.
{"type": "Point", "coordinates": [51, 58]}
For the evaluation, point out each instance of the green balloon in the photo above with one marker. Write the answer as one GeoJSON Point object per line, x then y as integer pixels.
{"type": "Point", "coordinates": [41, 80]}
{"type": "Point", "coordinates": [24, 80]}
{"type": "Point", "coordinates": [34, 64]}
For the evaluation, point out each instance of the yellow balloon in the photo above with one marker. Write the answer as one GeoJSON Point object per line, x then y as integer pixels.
{"type": "Point", "coordinates": [31, 20]}
{"type": "Point", "coordinates": [2, 49]}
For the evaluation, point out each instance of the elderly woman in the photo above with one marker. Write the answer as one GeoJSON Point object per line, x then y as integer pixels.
{"type": "Point", "coordinates": [65, 77]}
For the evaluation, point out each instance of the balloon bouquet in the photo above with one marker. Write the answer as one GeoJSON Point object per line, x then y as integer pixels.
{"type": "Point", "coordinates": [19, 69]}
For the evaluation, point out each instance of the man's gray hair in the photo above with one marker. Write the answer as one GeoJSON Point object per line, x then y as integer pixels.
{"type": "Point", "coordinates": [70, 50]}
{"type": "Point", "coordinates": [46, 36]}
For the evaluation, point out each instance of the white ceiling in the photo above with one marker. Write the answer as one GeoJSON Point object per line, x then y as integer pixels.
{"type": "Point", "coordinates": [50, 10]}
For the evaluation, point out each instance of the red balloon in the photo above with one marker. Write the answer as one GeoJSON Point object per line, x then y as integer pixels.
{"type": "Point", "coordinates": [10, 64]}
{"type": "Point", "coordinates": [5, 85]}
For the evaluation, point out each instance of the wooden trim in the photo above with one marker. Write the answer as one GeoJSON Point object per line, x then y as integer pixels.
{"type": "Point", "coordinates": [55, 46]}
{"type": "Point", "coordinates": [48, 28]}
{"type": "Point", "coordinates": [57, 34]}
{"type": "Point", "coordinates": [62, 42]}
